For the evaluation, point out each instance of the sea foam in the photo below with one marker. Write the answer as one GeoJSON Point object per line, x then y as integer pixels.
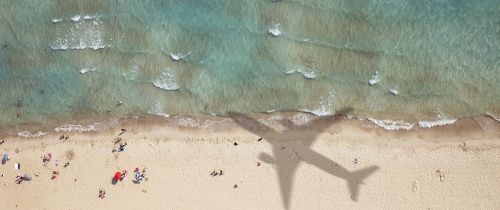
{"type": "Point", "coordinates": [392, 124]}
{"type": "Point", "coordinates": [157, 109]}
{"type": "Point", "coordinates": [57, 20]}
{"type": "Point", "coordinates": [274, 30]}
{"type": "Point", "coordinates": [166, 81]}
{"type": "Point", "coordinates": [308, 70]}
{"type": "Point", "coordinates": [87, 69]}
{"type": "Point", "coordinates": [325, 106]}
{"type": "Point", "coordinates": [76, 18]}
{"type": "Point", "coordinates": [394, 91]}
{"type": "Point", "coordinates": [78, 128]}
{"type": "Point", "coordinates": [440, 122]}
{"type": "Point", "coordinates": [375, 79]}
{"type": "Point", "coordinates": [179, 56]}
{"type": "Point", "coordinates": [79, 35]}
{"type": "Point", "coordinates": [28, 134]}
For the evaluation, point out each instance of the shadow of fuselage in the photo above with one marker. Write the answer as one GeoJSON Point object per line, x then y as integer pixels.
{"type": "Point", "coordinates": [293, 146]}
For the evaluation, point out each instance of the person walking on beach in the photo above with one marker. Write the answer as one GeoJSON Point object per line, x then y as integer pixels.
{"type": "Point", "coordinates": [5, 158]}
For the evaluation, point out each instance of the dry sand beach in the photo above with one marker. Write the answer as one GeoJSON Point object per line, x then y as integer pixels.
{"type": "Point", "coordinates": [303, 168]}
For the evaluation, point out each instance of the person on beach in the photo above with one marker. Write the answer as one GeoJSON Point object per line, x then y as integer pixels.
{"type": "Point", "coordinates": [138, 175]}
{"type": "Point", "coordinates": [47, 158]}
{"type": "Point", "coordinates": [123, 147]}
{"type": "Point", "coordinates": [123, 175]}
{"type": "Point", "coordinates": [54, 174]}
{"type": "Point", "coordinates": [102, 193]}
{"type": "Point", "coordinates": [19, 179]}
{"type": "Point", "coordinates": [5, 158]}
{"type": "Point", "coordinates": [123, 130]}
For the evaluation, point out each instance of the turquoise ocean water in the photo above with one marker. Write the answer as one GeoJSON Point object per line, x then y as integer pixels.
{"type": "Point", "coordinates": [72, 61]}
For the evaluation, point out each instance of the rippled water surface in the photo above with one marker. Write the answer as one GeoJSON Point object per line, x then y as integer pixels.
{"type": "Point", "coordinates": [74, 61]}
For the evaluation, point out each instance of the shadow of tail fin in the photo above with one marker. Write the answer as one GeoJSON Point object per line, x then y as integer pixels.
{"type": "Point", "coordinates": [356, 178]}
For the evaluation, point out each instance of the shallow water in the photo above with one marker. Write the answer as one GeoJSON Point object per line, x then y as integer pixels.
{"type": "Point", "coordinates": [442, 57]}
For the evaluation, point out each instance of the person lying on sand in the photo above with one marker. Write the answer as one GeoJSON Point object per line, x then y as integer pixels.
{"type": "Point", "coordinates": [102, 193]}
{"type": "Point", "coordinates": [54, 174]}
{"type": "Point", "coordinates": [123, 147]}
{"type": "Point", "coordinates": [19, 179]}
{"type": "Point", "coordinates": [123, 131]}
{"type": "Point", "coordinates": [138, 175]}
{"type": "Point", "coordinates": [217, 173]}
{"type": "Point", "coordinates": [5, 158]}
{"type": "Point", "coordinates": [47, 158]}
{"type": "Point", "coordinates": [123, 175]}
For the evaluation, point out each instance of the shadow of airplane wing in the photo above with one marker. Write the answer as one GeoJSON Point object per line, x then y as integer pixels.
{"type": "Point", "coordinates": [245, 122]}
{"type": "Point", "coordinates": [356, 179]}
{"type": "Point", "coordinates": [353, 179]}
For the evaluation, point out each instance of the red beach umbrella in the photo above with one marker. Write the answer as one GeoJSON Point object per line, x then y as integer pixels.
{"type": "Point", "coordinates": [117, 176]}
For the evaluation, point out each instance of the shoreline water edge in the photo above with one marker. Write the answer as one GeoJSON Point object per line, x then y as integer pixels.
{"type": "Point", "coordinates": [486, 124]}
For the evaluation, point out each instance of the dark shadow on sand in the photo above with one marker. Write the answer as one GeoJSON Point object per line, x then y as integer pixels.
{"type": "Point", "coordinates": [293, 146]}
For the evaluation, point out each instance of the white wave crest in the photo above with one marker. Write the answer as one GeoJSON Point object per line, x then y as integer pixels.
{"type": "Point", "coordinates": [166, 81]}
{"type": "Point", "coordinates": [375, 79]}
{"type": "Point", "coordinates": [440, 122]}
{"type": "Point", "coordinates": [179, 56]}
{"type": "Point", "coordinates": [79, 128]}
{"type": "Point", "coordinates": [79, 35]}
{"type": "Point", "coordinates": [87, 69]}
{"type": "Point", "coordinates": [76, 18]}
{"type": "Point", "coordinates": [394, 91]}
{"type": "Point", "coordinates": [392, 125]}
{"type": "Point", "coordinates": [88, 17]}
{"type": "Point", "coordinates": [56, 20]}
{"type": "Point", "coordinates": [28, 134]}
{"type": "Point", "coordinates": [308, 70]}
{"type": "Point", "coordinates": [274, 30]}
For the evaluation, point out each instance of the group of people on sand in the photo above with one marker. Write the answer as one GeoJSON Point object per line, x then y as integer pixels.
{"type": "Point", "coordinates": [122, 147]}
{"type": "Point", "coordinates": [63, 137]}
{"type": "Point", "coordinates": [139, 175]}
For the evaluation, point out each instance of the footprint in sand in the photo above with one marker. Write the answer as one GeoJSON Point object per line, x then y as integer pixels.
{"type": "Point", "coordinates": [440, 174]}
{"type": "Point", "coordinates": [414, 186]}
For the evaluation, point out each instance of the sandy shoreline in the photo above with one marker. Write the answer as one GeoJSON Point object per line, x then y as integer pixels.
{"type": "Point", "coordinates": [437, 168]}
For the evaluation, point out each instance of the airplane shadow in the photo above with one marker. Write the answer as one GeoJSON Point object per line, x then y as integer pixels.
{"type": "Point", "coordinates": [293, 146]}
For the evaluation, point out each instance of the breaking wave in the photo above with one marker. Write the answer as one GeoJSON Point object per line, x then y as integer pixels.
{"type": "Point", "coordinates": [441, 122]}
{"type": "Point", "coordinates": [77, 35]}
{"type": "Point", "coordinates": [391, 124]}
{"type": "Point", "coordinates": [28, 134]}
{"type": "Point", "coordinates": [166, 81]}
{"type": "Point", "coordinates": [79, 128]}
{"type": "Point", "coordinates": [308, 70]}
